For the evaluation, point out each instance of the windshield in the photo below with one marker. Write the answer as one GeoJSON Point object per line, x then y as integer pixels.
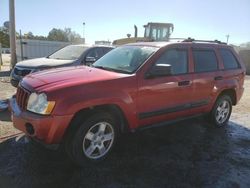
{"type": "Point", "coordinates": [126, 59]}
{"type": "Point", "coordinates": [71, 52]}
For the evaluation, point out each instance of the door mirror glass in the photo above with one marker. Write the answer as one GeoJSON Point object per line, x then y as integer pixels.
{"type": "Point", "coordinates": [159, 70]}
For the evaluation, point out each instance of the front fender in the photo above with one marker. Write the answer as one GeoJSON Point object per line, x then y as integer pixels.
{"type": "Point", "coordinates": [88, 97]}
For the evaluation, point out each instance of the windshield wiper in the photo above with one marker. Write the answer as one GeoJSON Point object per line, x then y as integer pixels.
{"type": "Point", "coordinates": [111, 69]}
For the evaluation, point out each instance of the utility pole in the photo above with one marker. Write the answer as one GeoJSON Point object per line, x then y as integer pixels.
{"type": "Point", "coordinates": [83, 33]}
{"type": "Point", "coordinates": [1, 62]}
{"type": "Point", "coordinates": [12, 32]}
{"type": "Point", "coordinates": [227, 37]}
{"type": "Point", "coordinates": [21, 43]}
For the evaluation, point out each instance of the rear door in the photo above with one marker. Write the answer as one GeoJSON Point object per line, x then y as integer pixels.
{"type": "Point", "coordinates": [205, 77]}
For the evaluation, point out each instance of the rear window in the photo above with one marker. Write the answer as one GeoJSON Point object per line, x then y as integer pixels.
{"type": "Point", "coordinates": [229, 60]}
{"type": "Point", "coordinates": [204, 60]}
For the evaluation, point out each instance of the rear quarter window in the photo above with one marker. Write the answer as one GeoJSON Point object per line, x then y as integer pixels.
{"type": "Point", "coordinates": [204, 60]}
{"type": "Point", "coordinates": [229, 60]}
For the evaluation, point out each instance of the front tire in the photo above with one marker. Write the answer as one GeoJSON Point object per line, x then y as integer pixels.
{"type": "Point", "coordinates": [221, 111]}
{"type": "Point", "coordinates": [93, 140]}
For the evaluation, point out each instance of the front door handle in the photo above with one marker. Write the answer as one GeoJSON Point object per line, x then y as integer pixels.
{"type": "Point", "coordinates": [218, 78]}
{"type": "Point", "coordinates": [184, 83]}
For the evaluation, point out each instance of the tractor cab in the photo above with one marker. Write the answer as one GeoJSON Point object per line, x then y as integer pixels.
{"type": "Point", "coordinates": [153, 32]}
{"type": "Point", "coordinates": [158, 31]}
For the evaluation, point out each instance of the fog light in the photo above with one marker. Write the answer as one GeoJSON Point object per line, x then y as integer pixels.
{"type": "Point", "coordinates": [30, 128]}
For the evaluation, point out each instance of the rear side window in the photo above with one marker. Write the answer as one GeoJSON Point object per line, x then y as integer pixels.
{"type": "Point", "coordinates": [204, 60]}
{"type": "Point", "coordinates": [177, 58]}
{"type": "Point", "coordinates": [229, 60]}
{"type": "Point", "coordinates": [96, 53]}
{"type": "Point", "coordinates": [106, 50]}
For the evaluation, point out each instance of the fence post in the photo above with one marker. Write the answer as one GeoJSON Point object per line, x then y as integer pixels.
{"type": "Point", "coordinates": [1, 61]}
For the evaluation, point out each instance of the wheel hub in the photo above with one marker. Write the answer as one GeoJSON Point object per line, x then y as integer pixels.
{"type": "Point", "coordinates": [98, 140]}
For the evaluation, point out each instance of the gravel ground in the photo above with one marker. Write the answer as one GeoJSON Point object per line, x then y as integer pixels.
{"type": "Point", "coordinates": [6, 91]}
{"type": "Point", "coordinates": [187, 154]}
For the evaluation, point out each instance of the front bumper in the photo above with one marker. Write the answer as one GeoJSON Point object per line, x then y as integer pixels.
{"type": "Point", "coordinates": [47, 129]}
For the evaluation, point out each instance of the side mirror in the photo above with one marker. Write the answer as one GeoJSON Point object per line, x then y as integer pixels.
{"type": "Point", "coordinates": [159, 70]}
{"type": "Point", "coordinates": [90, 60]}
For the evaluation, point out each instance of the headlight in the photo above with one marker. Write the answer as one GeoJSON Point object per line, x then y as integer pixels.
{"type": "Point", "coordinates": [39, 104]}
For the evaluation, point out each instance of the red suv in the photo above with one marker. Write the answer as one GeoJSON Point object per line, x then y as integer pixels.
{"type": "Point", "coordinates": [132, 87]}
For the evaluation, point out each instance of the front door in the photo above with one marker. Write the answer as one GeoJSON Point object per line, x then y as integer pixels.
{"type": "Point", "coordinates": [168, 97]}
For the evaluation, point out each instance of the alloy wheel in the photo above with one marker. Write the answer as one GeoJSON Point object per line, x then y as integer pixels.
{"type": "Point", "coordinates": [98, 140]}
{"type": "Point", "coordinates": [222, 111]}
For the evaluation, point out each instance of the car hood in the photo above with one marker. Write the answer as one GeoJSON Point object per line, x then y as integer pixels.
{"type": "Point", "coordinates": [67, 76]}
{"type": "Point", "coordinates": [43, 62]}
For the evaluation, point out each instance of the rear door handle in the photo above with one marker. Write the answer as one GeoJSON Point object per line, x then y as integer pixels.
{"type": "Point", "coordinates": [184, 83]}
{"type": "Point", "coordinates": [218, 78]}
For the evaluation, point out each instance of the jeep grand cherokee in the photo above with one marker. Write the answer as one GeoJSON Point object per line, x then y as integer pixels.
{"type": "Point", "coordinates": [132, 87]}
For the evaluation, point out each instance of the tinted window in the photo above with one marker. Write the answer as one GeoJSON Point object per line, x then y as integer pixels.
{"type": "Point", "coordinates": [177, 59]}
{"type": "Point", "coordinates": [106, 50]}
{"type": "Point", "coordinates": [99, 52]}
{"type": "Point", "coordinates": [228, 59]}
{"type": "Point", "coordinates": [204, 60]}
{"type": "Point", "coordinates": [96, 53]}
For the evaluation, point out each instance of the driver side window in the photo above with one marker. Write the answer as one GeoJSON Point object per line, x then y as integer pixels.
{"type": "Point", "coordinates": [177, 58]}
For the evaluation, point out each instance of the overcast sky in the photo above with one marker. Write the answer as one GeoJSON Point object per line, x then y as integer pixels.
{"type": "Point", "coordinates": [113, 19]}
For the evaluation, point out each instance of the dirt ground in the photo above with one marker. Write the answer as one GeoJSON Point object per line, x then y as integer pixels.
{"type": "Point", "coordinates": [187, 154]}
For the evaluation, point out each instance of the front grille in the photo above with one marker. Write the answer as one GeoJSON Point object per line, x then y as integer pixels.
{"type": "Point", "coordinates": [22, 96]}
{"type": "Point", "coordinates": [21, 71]}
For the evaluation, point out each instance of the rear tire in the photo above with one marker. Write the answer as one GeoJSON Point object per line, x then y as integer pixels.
{"type": "Point", "coordinates": [221, 111]}
{"type": "Point", "coordinates": [93, 140]}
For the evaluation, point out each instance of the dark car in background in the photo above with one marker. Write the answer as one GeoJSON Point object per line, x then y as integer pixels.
{"type": "Point", "coordinates": [70, 55]}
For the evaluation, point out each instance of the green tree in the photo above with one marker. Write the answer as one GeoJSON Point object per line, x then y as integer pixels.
{"type": "Point", "coordinates": [57, 35]}
{"type": "Point", "coordinates": [28, 35]}
{"type": "Point", "coordinates": [71, 35]}
{"type": "Point", "coordinates": [40, 37]}
{"type": "Point", "coordinates": [4, 37]}
{"type": "Point", "coordinates": [66, 35]}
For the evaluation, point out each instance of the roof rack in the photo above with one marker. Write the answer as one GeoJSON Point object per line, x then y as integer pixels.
{"type": "Point", "coordinates": [177, 38]}
{"type": "Point", "coordinates": [210, 41]}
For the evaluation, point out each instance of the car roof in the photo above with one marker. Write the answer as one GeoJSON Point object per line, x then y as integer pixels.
{"type": "Point", "coordinates": [91, 45]}
{"type": "Point", "coordinates": [151, 44]}
{"type": "Point", "coordinates": [180, 43]}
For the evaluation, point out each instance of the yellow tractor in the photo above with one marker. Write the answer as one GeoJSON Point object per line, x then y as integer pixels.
{"type": "Point", "coordinates": [153, 32]}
